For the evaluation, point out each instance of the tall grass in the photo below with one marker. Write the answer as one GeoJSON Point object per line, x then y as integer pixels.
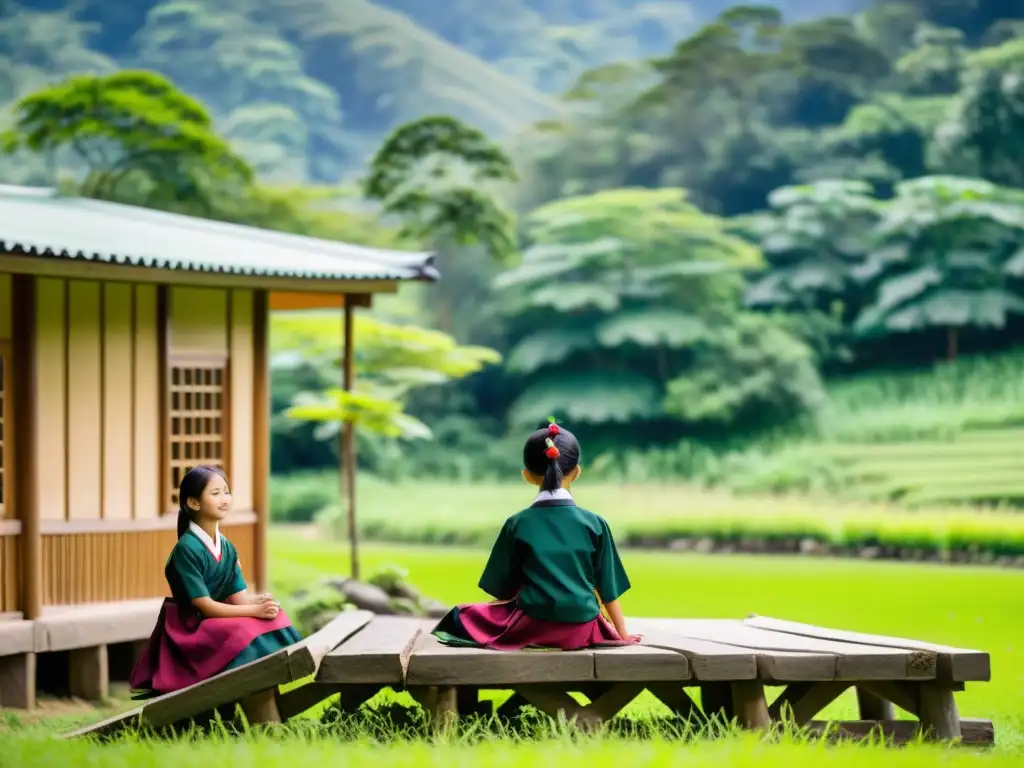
{"type": "Point", "coordinates": [971, 393]}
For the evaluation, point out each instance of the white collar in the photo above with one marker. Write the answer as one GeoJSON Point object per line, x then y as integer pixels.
{"type": "Point", "coordinates": [211, 544]}
{"type": "Point", "coordinates": [558, 493]}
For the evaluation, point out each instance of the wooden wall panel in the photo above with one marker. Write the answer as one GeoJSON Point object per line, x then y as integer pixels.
{"type": "Point", "coordinates": [85, 400]}
{"type": "Point", "coordinates": [6, 304]}
{"type": "Point", "coordinates": [123, 565]}
{"type": "Point", "coordinates": [7, 410]}
{"type": "Point", "coordinates": [241, 369]}
{"type": "Point", "coordinates": [198, 320]}
{"type": "Point", "coordinates": [10, 573]}
{"type": "Point", "coordinates": [118, 401]}
{"type": "Point", "coordinates": [51, 424]}
{"type": "Point", "coordinates": [243, 536]}
{"type": "Point", "coordinates": [148, 502]}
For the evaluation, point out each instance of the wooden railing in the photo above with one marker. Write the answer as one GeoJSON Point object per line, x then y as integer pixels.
{"type": "Point", "coordinates": [10, 567]}
{"type": "Point", "coordinates": [105, 561]}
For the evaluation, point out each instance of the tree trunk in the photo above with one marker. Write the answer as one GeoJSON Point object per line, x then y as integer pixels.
{"type": "Point", "coordinates": [951, 344]}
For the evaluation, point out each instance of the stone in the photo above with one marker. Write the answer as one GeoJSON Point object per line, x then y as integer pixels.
{"type": "Point", "coordinates": [870, 553]}
{"type": "Point", "coordinates": [367, 597]}
{"type": "Point", "coordinates": [809, 546]}
{"type": "Point", "coordinates": [403, 606]}
{"type": "Point", "coordinates": [704, 546]}
{"type": "Point", "coordinates": [405, 591]}
{"type": "Point", "coordinates": [680, 545]}
{"type": "Point", "coordinates": [435, 609]}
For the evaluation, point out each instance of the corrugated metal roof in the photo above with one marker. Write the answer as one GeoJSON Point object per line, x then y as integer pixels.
{"type": "Point", "coordinates": [40, 222]}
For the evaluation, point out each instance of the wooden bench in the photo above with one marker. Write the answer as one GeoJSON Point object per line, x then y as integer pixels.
{"type": "Point", "coordinates": [730, 663]}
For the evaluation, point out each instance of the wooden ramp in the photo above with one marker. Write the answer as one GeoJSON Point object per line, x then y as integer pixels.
{"type": "Point", "coordinates": [730, 662]}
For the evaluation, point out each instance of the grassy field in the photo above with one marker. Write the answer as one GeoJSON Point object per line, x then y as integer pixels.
{"type": "Point", "coordinates": [441, 513]}
{"type": "Point", "coordinates": [967, 606]}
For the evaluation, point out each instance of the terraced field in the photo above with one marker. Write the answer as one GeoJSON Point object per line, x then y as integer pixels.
{"type": "Point", "coordinates": [979, 466]}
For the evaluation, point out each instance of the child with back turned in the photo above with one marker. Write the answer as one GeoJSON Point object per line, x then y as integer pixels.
{"type": "Point", "coordinates": [552, 567]}
{"type": "Point", "coordinates": [211, 623]}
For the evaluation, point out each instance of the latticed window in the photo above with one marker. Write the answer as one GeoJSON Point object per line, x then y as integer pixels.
{"type": "Point", "coordinates": [197, 418]}
{"type": "Point", "coordinates": [5, 422]}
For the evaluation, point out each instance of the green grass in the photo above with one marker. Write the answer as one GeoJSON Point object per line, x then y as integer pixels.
{"type": "Point", "coordinates": [974, 466]}
{"type": "Point", "coordinates": [971, 607]}
{"type": "Point", "coordinates": [978, 392]}
{"type": "Point", "coordinates": [440, 513]}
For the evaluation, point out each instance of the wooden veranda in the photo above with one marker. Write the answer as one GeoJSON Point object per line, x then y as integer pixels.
{"type": "Point", "coordinates": [134, 345]}
{"type": "Point", "coordinates": [730, 663]}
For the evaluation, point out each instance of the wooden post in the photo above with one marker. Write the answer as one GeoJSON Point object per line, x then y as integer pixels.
{"type": "Point", "coordinates": [260, 436]}
{"type": "Point", "coordinates": [939, 716]}
{"type": "Point", "coordinates": [25, 427]}
{"type": "Point", "coordinates": [348, 440]}
{"type": "Point", "coordinates": [873, 707]}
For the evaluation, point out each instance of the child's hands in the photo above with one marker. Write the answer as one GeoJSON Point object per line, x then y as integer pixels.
{"type": "Point", "coordinates": [268, 609]}
{"type": "Point", "coordinates": [261, 597]}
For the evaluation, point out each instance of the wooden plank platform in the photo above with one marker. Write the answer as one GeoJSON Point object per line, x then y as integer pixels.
{"type": "Point", "coordinates": [287, 665]}
{"type": "Point", "coordinates": [730, 661]}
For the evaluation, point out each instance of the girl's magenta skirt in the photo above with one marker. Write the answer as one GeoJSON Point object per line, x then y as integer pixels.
{"type": "Point", "coordinates": [504, 627]}
{"type": "Point", "coordinates": [185, 648]}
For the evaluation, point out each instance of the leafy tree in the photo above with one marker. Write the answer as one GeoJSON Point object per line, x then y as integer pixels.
{"type": "Point", "coordinates": [435, 174]}
{"type": "Point", "coordinates": [617, 297]}
{"type": "Point", "coordinates": [232, 59]}
{"type": "Point", "coordinates": [983, 134]}
{"type": "Point", "coordinates": [391, 361]}
{"type": "Point", "coordinates": [812, 237]}
{"type": "Point", "coordinates": [946, 253]}
{"type": "Point", "coordinates": [935, 64]}
{"type": "Point", "coordinates": [750, 371]}
{"type": "Point", "coordinates": [441, 179]}
{"type": "Point", "coordinates": [137, 137]}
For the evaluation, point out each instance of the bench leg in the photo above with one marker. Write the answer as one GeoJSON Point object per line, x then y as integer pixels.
{"type": "Point", "coordinates": [749, 704]}
{"type": "Point", "coordinates": [439, 702]}
{"type": "Point", "coordinates": [18, 681]}
{"type": "Point", "coordinates": [261, 707]}
{"type": "Point", "coordinates": [940, 718]}
{"type": "Point", "coordinates": [89, 673]}
{"type": "Point", "coordinates": [716, 701]}
{"type": "Point", "coordinates": [872, 707]}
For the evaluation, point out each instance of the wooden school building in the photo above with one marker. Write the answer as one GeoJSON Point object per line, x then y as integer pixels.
{"type": "Point", "coordinates": [133, 345]}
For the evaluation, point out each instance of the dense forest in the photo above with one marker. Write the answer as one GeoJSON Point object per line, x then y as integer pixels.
{"type": "Point", "coordinates": [306, 88]}
{"type": "Point", "coordinates": [717, 212]}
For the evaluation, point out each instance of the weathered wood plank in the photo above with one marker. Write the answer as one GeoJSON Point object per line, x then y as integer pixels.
{"type": "Point", "coordinates": [640, 663]}
{"type": "Point", "coordinates": [432, 663]}
{"type": "Point", "coordinates": [376, 654]}
{"type": "Point", "coordinates": [802, 701]}
{"type": "Point", "coordinates": [227, 687]}
{"type": "Point", "coordinates": [16, 636]}
{"type": "Point", "coordinates": [974, 733]}
{"type": "Point", "coordinates": [957, 664]}
{"type": "Point", "coordinates": [708, 661]}
{"type": "Point", "coordinates": [304, 658]}
{"type": "Point", "coordinates": [852, 661]}
{"type": "Point", "coordinates": [83, 626]}
{"type": "Point", "coordinates": [287, 665]}
{"type": "Point", "coordinates": [711, 660]}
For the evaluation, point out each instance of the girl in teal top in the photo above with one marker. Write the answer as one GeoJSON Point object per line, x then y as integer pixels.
{"type": "Point", "coordinates": [554, 569]}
